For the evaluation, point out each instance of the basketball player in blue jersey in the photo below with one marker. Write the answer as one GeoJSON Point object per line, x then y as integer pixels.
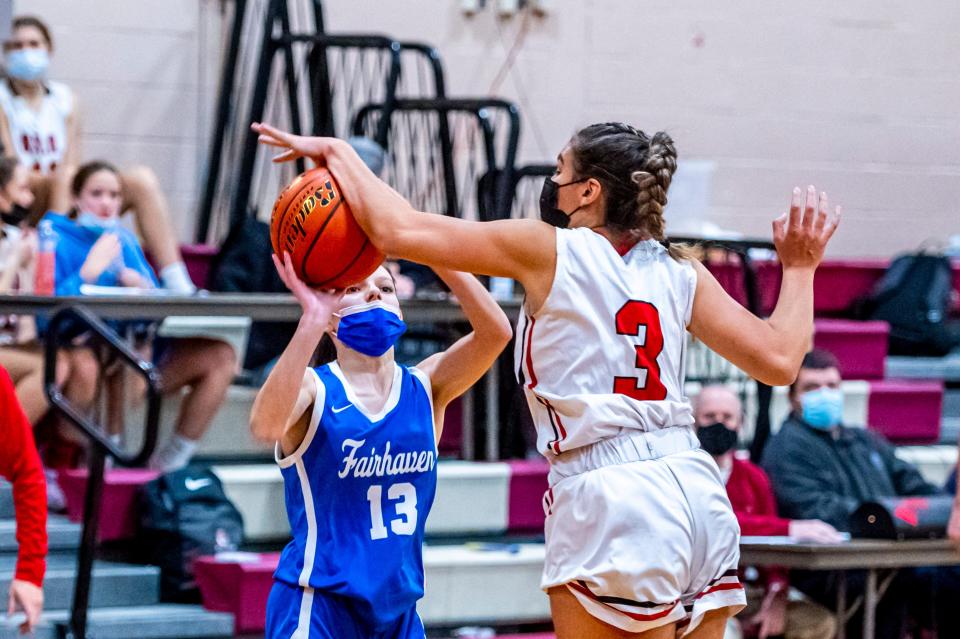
{"type": "Point", "coordinates": [356, 444]}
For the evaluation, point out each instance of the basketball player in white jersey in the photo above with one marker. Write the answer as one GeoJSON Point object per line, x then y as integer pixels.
{"type": "Point", "coordinates": [640, 538]}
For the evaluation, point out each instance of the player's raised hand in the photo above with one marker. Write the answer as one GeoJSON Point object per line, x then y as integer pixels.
{"type": "Point", "coordinates": [801, 235]}
{"type": "Point", "coordinates": [365, 190]}
{"type": "Point", "coordinates": [317, 304]}
{"type": "Point", "coordinates": [297, 146]}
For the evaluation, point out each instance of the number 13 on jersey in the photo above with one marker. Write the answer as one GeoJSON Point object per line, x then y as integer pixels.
{"type": "Point", "coordinates": [629, 319]}
{"type": "Point", "coordinates": [404, 498]}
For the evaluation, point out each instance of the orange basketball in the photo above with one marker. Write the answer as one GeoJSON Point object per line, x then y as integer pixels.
{"type": "Point", "coordinates": [312, 222]}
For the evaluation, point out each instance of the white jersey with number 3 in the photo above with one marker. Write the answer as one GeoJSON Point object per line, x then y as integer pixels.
{"type": "Point", "coordinates": [606, 350]}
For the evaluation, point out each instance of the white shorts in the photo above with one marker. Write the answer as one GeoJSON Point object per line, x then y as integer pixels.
{"type": "Point", "coordinates": [640, 529]}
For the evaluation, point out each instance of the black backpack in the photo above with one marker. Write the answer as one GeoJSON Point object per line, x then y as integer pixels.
{"type": "Point", "coordinates": [913, 296]}
{"type": "Point", "coordinates": [185, 515]}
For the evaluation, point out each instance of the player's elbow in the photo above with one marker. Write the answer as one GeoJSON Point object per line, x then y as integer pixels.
{"type": "Point", "coordinates": [261, 428]}
{"type": "Point", "coordinates": [780, 370]}
{"type": "Point", "coordinates": [496, 332]}
{"type": "Point", "coordinates": [501, 331]}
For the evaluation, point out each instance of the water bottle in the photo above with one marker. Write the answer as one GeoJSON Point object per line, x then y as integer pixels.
{"type": "Point", "coordinates": [45, 277]}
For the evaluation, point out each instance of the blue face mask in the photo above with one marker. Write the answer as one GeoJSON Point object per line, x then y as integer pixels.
{"type": "Point", "coordinates": [371, 329]}
{"type": "Point", "coordinates": [28, 64]}
{"type": "Point", "coordinates": [91, 221]}
{"type": "Point", "coordinates": [822, 408]}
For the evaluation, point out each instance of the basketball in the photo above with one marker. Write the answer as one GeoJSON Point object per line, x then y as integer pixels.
{"type": "Point", "coordinates": [312, 222]}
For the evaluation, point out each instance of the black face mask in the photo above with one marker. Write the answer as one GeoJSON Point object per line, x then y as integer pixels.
{"type": "Point", "coordinates": [15, 215]}
{"type": "Point", "coordinates": [549, 212]}
{"type": "Point", "coordinates": [716, 438]}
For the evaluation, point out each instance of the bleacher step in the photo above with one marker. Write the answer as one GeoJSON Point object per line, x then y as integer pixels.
{"type": "Point", "coordinates": [454, 574]}
{"type": "Point", "coordinates": [935, 463]}
{"type": "Point", "coordinates": [944, 368]}
{"type": "Point", "coordinates": [472, 498]}
{"type": "Point", "coordinates": [114, 584]}
{"type": "Point", "coordinates": [162, 621]}
{"type": "Point", "coordinates": [62, 535]}
{"type": "Point", "coordinates": [860, 347]}
{"type": "Point", "coordinates": [906, 411]}
{"type": "Point", "coordinates": [6, 500]}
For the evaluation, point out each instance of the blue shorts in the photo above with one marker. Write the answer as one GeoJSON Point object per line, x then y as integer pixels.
{"type": "Point", "coordinates": [330, 617]}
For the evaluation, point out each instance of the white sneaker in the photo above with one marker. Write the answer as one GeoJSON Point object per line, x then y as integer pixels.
{"type": "Point", "coordinates": [56, 500]}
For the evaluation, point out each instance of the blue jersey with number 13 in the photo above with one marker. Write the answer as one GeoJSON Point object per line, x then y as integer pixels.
{"type": "Point", "coordinates": [358, 490]}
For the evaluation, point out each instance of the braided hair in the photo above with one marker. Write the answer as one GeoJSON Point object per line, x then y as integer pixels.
{"type": "Point", "coordinates": [635, 171]}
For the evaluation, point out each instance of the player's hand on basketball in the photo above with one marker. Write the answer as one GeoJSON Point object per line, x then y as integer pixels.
{"type": "Point", "coordinates": [801, 235]}
{"type": "Point", "coordinates": [318, 305]}
{"type": "Point", "coordinates": [101, 255]}
{"type": "Point", "coordinates": [297, 146]}
{"type": "Point", "coordinates": [814, 530]}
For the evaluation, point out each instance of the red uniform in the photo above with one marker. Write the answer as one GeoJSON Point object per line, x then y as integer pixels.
{"type": "Point", "coordinates": [20, 465]}
{"type": "Point", "coordinates": [756, 508]}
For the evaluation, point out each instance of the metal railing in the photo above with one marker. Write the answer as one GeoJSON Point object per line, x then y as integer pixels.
{"type": "Point", "coordinates": [65, 324]}
{"type": "Point", "coordinates": [310, 84]}
{"type": "Point", "coordinates": [249, 20]}
{"type": "Point", "coordinates": [454, 156]}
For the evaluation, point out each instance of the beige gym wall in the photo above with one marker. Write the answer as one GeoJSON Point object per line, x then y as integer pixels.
{"type": "Point", "coordinates": [861, 98]}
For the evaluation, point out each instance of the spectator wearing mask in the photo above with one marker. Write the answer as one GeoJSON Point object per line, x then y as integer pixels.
{"type": "Point", "coordinates": [20, 465]}
{"type": "Point", "coordinates": [94, 249]}
{"type": "Point", "coordinates": [770, 613]}
{"type": "Point", "coordinates": [21, 354]}
{"type": "Point", "coordinates": [823, 469]}
{"type": "Point", "coordinates": [40, 123]}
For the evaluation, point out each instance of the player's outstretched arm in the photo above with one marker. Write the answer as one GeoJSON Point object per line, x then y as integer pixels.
{"type": "Point", "coordinates": [771, 350]}
{"type": "Point", "coordinates": [456, 369]}
{"type": "Point", "coordinates": [524, 250]}
{"type": "Point", "coordinates": [284, 401]}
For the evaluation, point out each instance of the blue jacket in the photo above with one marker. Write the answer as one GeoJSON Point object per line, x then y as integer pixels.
{"type": "Point", "coordinates": [817, 476]}
{"type": "Point", "coordinates": [73, 245]}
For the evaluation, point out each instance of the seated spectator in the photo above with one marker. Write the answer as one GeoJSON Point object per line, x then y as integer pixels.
{"type": "Point", "coordinates": [719, 416]}
{"type": "Point", "coordinates": [823, 469]}
{"type": "Point", "coordinates": [20, 465]}
{"type": "Point", "coordinates": [21, 354]}
{"type": "Point", "coordinates": [40, 123]}
{"type": "Point", "coordinates": [93, 249]}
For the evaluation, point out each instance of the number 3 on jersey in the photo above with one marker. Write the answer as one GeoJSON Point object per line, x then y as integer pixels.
{"type": "Point", "coordinates": [630, 318]}
{"type": "Point", "coordinates": [406, 497]}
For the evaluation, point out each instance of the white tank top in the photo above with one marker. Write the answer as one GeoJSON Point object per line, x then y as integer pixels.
{"type": "Point", "coordinates": [606, 350]}
{"type": "Point", "coordinates": [39, 137]}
